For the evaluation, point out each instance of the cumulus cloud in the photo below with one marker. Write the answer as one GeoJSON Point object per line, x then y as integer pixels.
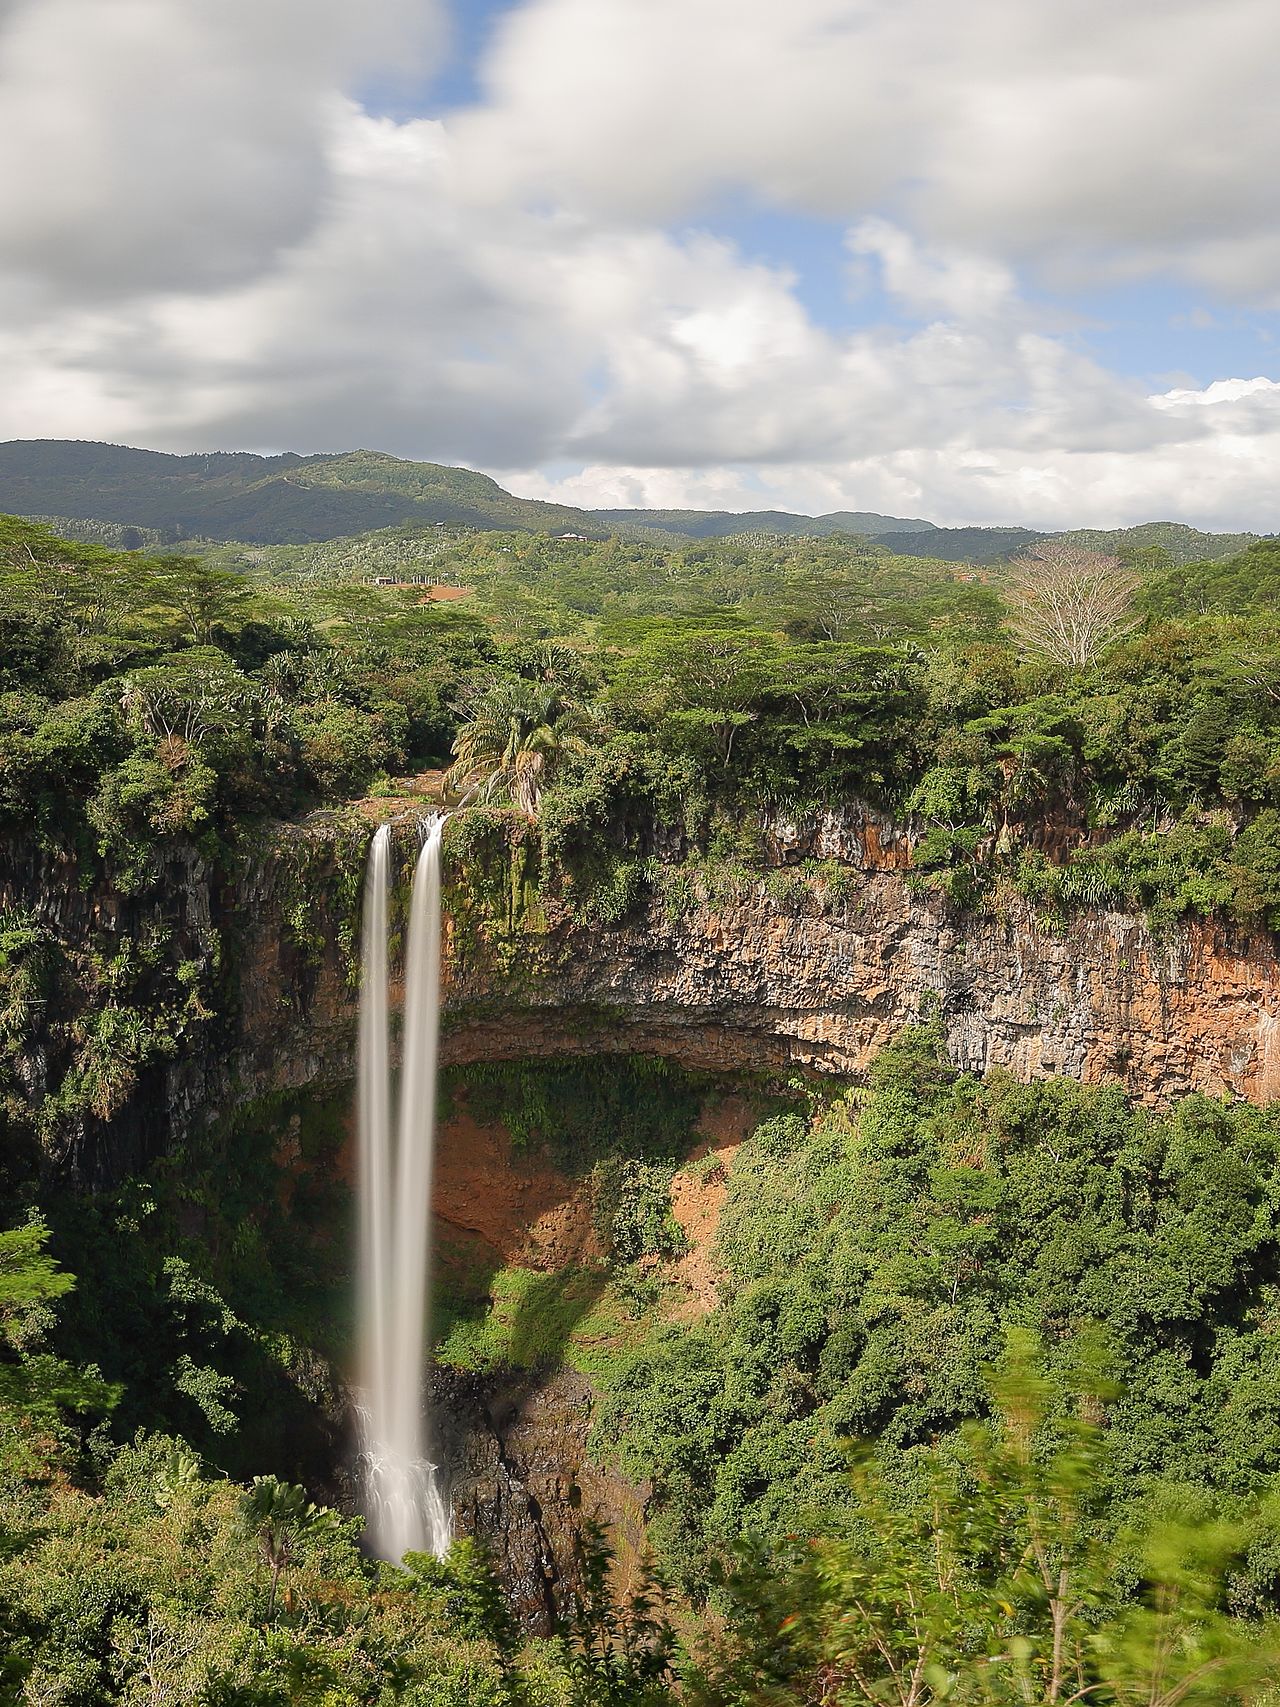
{"type": "Point", "coordinates": [217, 246]}
{"type": "Point", "coordinates": [411, 319]}
{"type": "Point", "coordinates": [394, 322]}
{"type": "Point", "coordinates": [1267, 391]}
{"type": "Point", "coordinates": [1088, 136]}
{"type": "Point", "coordinates": [932, 280]}
{"type": "Point", "coordinates": [155, 144]}
{"type": "Point", "coordinates": [1225, 482]}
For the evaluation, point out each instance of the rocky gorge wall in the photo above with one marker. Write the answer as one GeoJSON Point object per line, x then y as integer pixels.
{"type": "Point", "coordinates": [754, 986]}
{"type": "Point", "coordinates": [810, 973]}
{"type": "Point", "coordinates": [763, 976]}
{"type": "Point", "coordinates": [806, 974]}
{"type": "Point", "coordinates": [245, 974]}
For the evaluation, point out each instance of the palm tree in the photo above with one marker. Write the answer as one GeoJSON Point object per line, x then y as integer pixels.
{"type": "Point", "coordinates": [279, 1513]}
{"type": "Point", "coordinates": [513, 734]}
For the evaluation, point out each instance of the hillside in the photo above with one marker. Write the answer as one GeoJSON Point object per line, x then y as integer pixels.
{"type": "Point", "coordinates": [1182, 544]}
{"type": "Point", "coordinates": [291, 499]}
{"type": "Point", "coordinates": [711, 524]}
{"type": "Point", "coordinates": [118, 496]}
{"type": "Point", "coordinates": [962, 545]}
{"type": "Point", "coordinates": [258, 499]}
{"type": "Point", "coordinates": [1177, 543]}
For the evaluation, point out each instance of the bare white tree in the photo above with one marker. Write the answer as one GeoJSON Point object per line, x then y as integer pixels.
{"type": "Point", "coordinates": [1067, 602]}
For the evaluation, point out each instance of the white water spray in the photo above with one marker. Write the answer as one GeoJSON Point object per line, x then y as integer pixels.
{"type": "Point", "coordinates": [405, 1510]}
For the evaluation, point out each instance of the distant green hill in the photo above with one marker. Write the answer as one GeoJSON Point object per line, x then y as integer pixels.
{"type": "Point", "coordinates": [290, 499]}
{"type": "Point", "coordinates": [120, 496]}
{"type": "Point", "coordinates": [1181, 543]}
{"type": "Point", "coordinates": [263, 500]}
{"type": "Point", "coordinates": [711, 524]}
{"type": "Point", "coordinates": [962, 545]}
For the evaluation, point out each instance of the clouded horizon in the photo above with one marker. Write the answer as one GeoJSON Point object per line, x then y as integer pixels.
{"type": "Point", "coordinates": [1006, 261]}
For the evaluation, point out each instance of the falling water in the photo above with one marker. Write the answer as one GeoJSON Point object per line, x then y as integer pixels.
{"type": "Point", "coordinates": [374, 1128]}
{"type": "Point", "coordinates": [404, 1507]}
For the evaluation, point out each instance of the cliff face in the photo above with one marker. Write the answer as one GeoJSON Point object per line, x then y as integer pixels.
{"type": "Point", "coordinates": [137, 1015]}
{"type": "Point", "coordinates": [751, 986]}
{"type": "Point", "coordinates": [763, 980]}
{"type": "Point", "coordinates": [770, 974]}
{"type": "Point", "coordinates": [521, 1478]}
{"type": "Point", "coordinates": [821, 976]}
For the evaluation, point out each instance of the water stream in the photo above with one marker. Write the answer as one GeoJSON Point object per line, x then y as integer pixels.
{"type": "Point", "coordinates": [405, 1509]}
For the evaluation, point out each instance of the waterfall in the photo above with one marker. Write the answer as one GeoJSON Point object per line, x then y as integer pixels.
{"type": "Point", "coordinates": [405, 1510]}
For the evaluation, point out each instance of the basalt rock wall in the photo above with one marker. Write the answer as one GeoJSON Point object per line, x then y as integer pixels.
{"type": "Point", "coordinates": [161, 1002]}
{"type": "Point", "coordinates": [820, 974]}
{"type": "Point", "coordinates": [754, 985]}
{"type": "Point", "coordinates": [764, 981]}
{"type": "Point", "coordinates": [768, 977]}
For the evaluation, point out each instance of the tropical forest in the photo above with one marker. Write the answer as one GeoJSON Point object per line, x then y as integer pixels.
{"type": "Point", "coordinates": [621, 1109]}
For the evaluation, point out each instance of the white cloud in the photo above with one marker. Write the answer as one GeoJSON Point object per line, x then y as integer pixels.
{"type": "Point", "coordinates": [1226, 483]}
{"type": "Point", "coordinates": [934, 280]}
{"type": "Point", "coordinates": [1090, 137]}
{"type": "Point", "coordinates": [216, 247]}
{"type": "Point", "coordinates": [1221, 391]}
{"type": "Point", "coordinates": [153, 144]}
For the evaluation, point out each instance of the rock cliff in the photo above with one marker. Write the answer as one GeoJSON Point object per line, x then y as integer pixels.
{"type": "Point", "coordinates": [521, 1477]}
{"type": "Point", "coordinates": [245, 977]}
{"type": "Point", "coordinates": [812, 977]}
{"type": "Point", "coordinates": [786, 969]}
{"type": "Point", "coordinates": [754, 985]}
{"type": "Point", "coordinates": [820, 960]}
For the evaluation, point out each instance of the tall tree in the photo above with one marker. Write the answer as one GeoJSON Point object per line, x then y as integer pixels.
{"type": "Point", "coordinates": [1069, 603]}
{"type": "Point", "coordinates": [513, 734]}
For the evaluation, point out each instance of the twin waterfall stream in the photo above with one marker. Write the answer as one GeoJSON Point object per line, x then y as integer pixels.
{"type": "Point", "coordinates": [405, 1509]}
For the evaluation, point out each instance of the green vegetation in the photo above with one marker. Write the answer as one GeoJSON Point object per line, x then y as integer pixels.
{"type": "Point", "coordinates": [996, 1579]}
{"type": "Point", "coordinates": [876, 1256]}
{"type": "Point", "coordinates": [236, 495]}
{"type": "Point", "coordinates": [635, 694]}
{"type": "Point", "coordinates": [987, 1411]}
{"type": "Point", "coordinates": [152, 1581]}
{"type": "Point", "coordinates": [153, 701]}
{"type": "Point", "coordinates": [530, 1320]}
{"type": "Point", "coordinates": [635, 718]}
{"type": "Point", "coordinates": [637, 1108]}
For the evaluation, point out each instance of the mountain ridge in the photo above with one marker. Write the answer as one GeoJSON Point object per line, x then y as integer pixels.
{"type": "Point", "coordinates": [289, 498]}
{"type": "Point", "coordinates": [294, 499]}
{"type": "Point", "coordinates": [703, 524]}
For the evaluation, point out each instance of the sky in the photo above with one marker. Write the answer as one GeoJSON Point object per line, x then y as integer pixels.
{"type": "Point", "coordinates": [981, 261]}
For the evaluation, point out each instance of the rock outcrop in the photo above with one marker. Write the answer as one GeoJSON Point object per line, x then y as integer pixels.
{"type": "Point", "coordinates": [520, 1477]}
{"type": "Point", "coordinates": [819, 977]}
{"type": "Point", "coordinates": [756, 985]}
{"type": "Point", "coordinates": [818, 965]}
{"type": "Point", "coordinates": [793, 968]}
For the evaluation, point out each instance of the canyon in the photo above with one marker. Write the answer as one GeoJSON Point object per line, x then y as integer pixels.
{"type": "Point", "coordinates": [763, 978]}
{"type": "Point", "coordinates": [807, 966]}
